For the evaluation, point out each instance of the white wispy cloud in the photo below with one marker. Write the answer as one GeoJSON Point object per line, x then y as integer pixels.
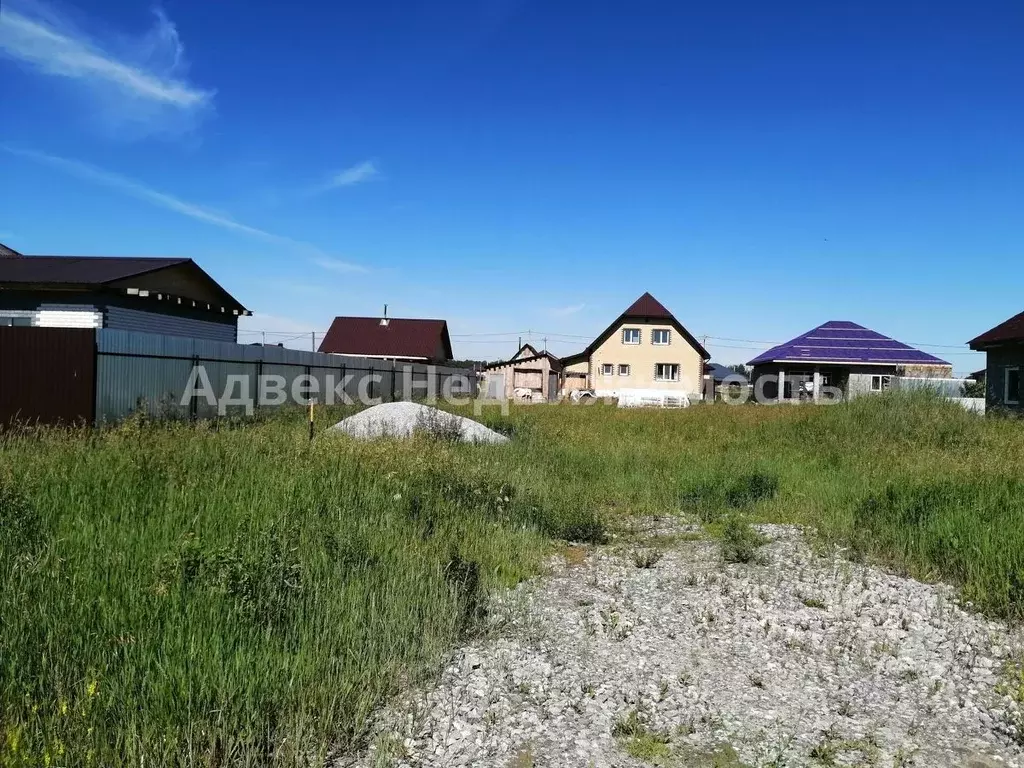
{"type": "Point", "coordinates": [572, 309]}
{"type": "Point", "coordinates": [357, 174]}
{"type": "Point", "coordinates": [177, 205]}
{"type": "Point", "coordinates": [337, 265]}
{"type": "Point", "coordinates": [140, 80]}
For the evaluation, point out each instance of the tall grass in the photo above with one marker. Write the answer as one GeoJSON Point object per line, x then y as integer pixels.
{"type": "Point", "coordinates": [179, 596]}
{"type": "Point", "coordinates": [238, 596]}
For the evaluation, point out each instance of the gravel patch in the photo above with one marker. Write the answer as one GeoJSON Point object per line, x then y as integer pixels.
{"type": "Point", "coordinates": [402, 419]}
{"type": "Point", "coordinates": [621, 658]}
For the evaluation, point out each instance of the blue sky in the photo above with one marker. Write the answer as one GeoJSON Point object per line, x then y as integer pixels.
{"type": "Point", "coordinates": [518, 166]}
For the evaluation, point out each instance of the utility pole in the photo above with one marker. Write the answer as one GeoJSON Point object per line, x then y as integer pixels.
{"type": "Point", "coordinates": [545, 343]}
{"type": "Point", "coordinates": [264, 338]}
{"type": "Point", "coordinates": [312, 338]}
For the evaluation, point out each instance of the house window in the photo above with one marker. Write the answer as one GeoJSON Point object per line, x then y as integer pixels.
{"type": "Point", "coordinates": [17, 322]}
{"type": "Point", "coordinates": [1011, 386]}
{"type": "Point", "coordinates": [661, 336]}
{"type": "Point", "coordinates": [666, 372]}
{"type": "Point", "coordinates": [880, 383]}
{"type": "Point", "coordinates": [630, 335]}
{"type": "Point", "coordinates": [623, 370]}
{"type": "Point", "coordinates": [607, 369]}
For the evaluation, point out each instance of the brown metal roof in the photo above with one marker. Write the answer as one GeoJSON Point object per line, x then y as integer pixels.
{"type": "Point", "coordinates": [647, 306]}
{"type": "Point", "coordinates": [401, 337]}
{"type": "Point", "coordinates": [1011, 330]}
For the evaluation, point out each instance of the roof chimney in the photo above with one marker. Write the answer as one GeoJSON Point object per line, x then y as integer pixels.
{"type": "Point", "coordinates": [384, 320]}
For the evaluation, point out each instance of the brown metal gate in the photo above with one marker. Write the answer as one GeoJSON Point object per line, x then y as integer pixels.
{"type": "Point", "coordinates": [47, 375]}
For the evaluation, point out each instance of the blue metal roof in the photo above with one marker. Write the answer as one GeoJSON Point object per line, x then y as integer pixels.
{"type": "Point", "coordinates": [840, 341]}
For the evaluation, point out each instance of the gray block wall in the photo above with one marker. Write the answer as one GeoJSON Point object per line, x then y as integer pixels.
{"type": "Point", "coordinates": [124, 319]}
{"type": "Point", "coordinates": [998, 360]}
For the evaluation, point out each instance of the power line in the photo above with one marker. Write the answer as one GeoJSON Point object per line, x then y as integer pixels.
{"type": "Point", "coordinates": [500, 337]}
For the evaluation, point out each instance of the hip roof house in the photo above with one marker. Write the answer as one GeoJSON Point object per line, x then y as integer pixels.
{"type": "Point", "coordinates": [166, 296]}
{"type": "Point", "coordinates": [839, 354]}
{"type": "Point", "coordinates": [390, 338]}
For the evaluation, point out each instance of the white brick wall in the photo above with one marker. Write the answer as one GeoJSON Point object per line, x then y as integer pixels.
{"type": "Point", "coordinates": [67, 318]}
{"type": "Point", "coordinates": [53, 317]}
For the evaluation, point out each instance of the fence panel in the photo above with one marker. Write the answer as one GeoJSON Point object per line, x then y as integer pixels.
{"type": "Point", "coordinates": [126, 384]}
{"type": "Point", "coordinates": [148, 371]}
{"type": "Point", "coordinates": [47, 375]}
{"type": "Point", "coordinates": [946, 387]}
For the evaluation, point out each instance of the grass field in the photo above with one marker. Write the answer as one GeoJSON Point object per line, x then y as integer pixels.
{"type": "Point", "coordinates": [238, 596]}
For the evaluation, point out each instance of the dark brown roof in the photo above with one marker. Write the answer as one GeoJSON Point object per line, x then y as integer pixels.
{"type": "Point", "coordinates": [81, 270]}
{"type": "Point", "coordinates": [401, 337]}
{"type": "Point", "coordinates": [5, 251]}
{"type": "Point", "coordinates": [1011, 330]}
{"type": "Point", "coordinates": [42, 272]}
{"type": "Point", "coordinates": [645, 308]}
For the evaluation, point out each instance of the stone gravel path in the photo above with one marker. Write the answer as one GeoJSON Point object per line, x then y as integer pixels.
{"type": "Point", "coordinates": [798, 659]}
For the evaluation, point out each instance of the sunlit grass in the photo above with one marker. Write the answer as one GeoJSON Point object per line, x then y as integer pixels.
{"type": "Point", "coordinates": [239, 596]}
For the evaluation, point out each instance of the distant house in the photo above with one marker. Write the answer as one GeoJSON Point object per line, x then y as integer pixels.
{"type": "Point", "coordinates": [839, 354]}
{"type": "Point", "coordinates": [1004, 357]}
{"type": "Point", "coordinates": [644, 352]}
{"type": "Point", "coordinates": [527, 370]}
{"type": "Point", "coordinates": [389, 338]}
{"type": "Point", "coordinates": [717, 376]}
{"type": "Point", "coordinates": [5, 251]}
{"type": "Point", "coordinates": [167, 296]}
{"type": "Point", "coordinates": [718, 373]}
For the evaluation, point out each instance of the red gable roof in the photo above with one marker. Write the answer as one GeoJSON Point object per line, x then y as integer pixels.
{"type": "Point", "coordinates": [647, 306]}
{"type": "Point", "coordinates": [401, 337]}
{"type": "Point", "coordinates": [1011, 330]}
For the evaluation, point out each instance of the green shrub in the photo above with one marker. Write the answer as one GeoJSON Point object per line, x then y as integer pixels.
{"type": "Point", "coordinates": [21, 528]}
{"type": "Point", "coordinates": [740, 540]}
{"type": "Point", "coordinates": [709, 498]}
{"type": "Point", "coordinates": [752, 488]}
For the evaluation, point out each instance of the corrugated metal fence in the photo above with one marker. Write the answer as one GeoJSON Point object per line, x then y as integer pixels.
{"type": "Point", "coordinates": [947, 387]}
{"type": "Point", "coordinates": [63, 375]}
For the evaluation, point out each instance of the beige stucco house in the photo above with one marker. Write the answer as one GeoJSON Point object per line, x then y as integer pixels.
{"type": "Point", "coordinates": [645, 352]}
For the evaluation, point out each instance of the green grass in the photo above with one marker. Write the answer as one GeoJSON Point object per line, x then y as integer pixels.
{"type": "Point", "coordinates": [179, 596]}
{"type": "Point", "coordinates": [640, 741]}
{"type": "Point", "coordinates": [208, 597]}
